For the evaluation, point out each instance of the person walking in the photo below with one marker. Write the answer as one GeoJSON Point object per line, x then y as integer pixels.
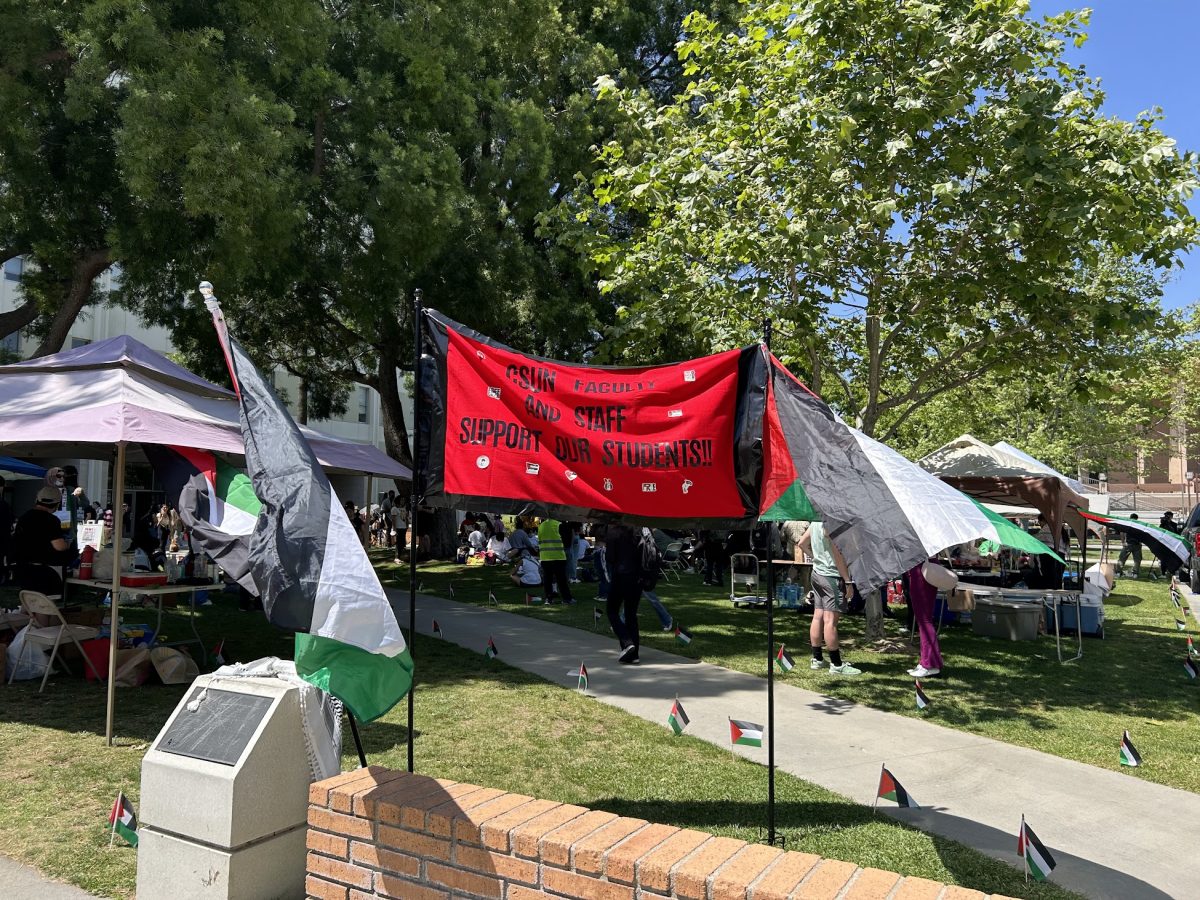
{"type": "Point", "coordinates": [1131, 545]}
{"type": "Point", "coordinates": [831, 589]}
{"type": "Point", "coordinates": [623, 561]}
{"type": "Point", "coordinates": [553, 555]}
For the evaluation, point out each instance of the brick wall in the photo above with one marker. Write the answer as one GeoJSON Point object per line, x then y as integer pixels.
{"type": "Point", "coordinates": [378, 833]}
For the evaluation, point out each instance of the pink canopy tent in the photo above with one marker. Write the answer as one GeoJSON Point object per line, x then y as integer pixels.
{"type": "Point", "coordinates": [83, 402]}
{"type": "Point", "coordinates": [104, 400]}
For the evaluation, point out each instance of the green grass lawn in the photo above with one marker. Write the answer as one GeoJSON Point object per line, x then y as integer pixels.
{"type": "Point", "coordinates": [1015, 692]}
{"type": "Point", "coordinates": [478, 721]}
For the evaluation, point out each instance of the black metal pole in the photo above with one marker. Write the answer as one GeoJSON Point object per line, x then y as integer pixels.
{"type": "Point", "coordinates": [362, 756]}
{"type": "Point", "coordinates": [414, 503]}
{"type": "Point", "coordinates": [770, 650]}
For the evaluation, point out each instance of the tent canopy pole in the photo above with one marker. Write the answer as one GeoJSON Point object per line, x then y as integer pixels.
{"type": "Point", "coordinates": [114, 618]}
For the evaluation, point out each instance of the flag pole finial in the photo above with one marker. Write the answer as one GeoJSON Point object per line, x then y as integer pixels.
{"type": "Point", "coordinates": [210, 298]}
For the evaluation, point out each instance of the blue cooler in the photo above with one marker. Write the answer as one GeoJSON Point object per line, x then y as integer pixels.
{"type": "Point", "coordinates": [1091, 611]}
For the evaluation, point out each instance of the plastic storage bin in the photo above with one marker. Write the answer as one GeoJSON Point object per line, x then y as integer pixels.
{"type": "Point", "coordinates": [1006, 619]}
{"type": "Point", "coordinates": [1091, 612]}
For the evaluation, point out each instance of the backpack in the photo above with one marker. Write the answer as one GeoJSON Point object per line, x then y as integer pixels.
{"type": "Point", "coordinates": [649, 560]}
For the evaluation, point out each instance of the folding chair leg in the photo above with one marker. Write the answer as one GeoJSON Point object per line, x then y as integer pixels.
{"type": "Point", "coordinates": [17, 664]}
{"type": "Point", "coordinates": [50, 664]}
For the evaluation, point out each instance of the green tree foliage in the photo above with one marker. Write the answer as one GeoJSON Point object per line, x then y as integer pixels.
{"type": "Point", "coordinates": [919, 194]}
{"type": "Point", "coordinates": [59, 191]}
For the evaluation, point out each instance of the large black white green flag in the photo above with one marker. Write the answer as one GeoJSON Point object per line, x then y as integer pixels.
{"type": "Point", "coordinates": [306, 560]}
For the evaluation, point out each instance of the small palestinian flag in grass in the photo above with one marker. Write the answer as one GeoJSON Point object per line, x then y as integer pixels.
{"type": "Point", "coordinates": [491, 652]}
{"type": "Point", "coordinates": [784, 660]}
{"type": "Point", "coordinates": [492, 598]}
{"type": "Point", "coordinates": [123, 821]}
{"type": "Point", "coordinates": [1180, 625]}
{"type": "Point", "coordinates": [1177, 600]}
{"type": "Point", "coordinates": [682, 636]}
{"type": "Point", "coordinates": [746, 734]}
{"type": "Point", "coordinates": [891, 789]}
{"type": "Point", "coordinates": [1192, 652]}
{"type": "Point", "coordinates": [597, 616]}
{"type": "Point", "coordinates": [452, 590]}
{"type": "Point", "coordinates": [922, 700]}
{"type": "Point", "coordinates": [1038, 861]}
{"type": "Point", "coordinates": [678, 719]}
{"type": "Point", "coordinates": [437, 629]}
{"type": "Point", "coordinates": [1129, 754]}
{"type": "Point", "coordinates": [582, 673]}
{"type": "Point", "coordinates": [1189, 666]}
{"type": "Point", "coordinates": [218, 653]}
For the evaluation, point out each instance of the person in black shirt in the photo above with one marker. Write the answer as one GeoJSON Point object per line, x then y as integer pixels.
{"type": "Point", "coordinates": [39, 546]}
{"type": "Point", "coordinates": [624, 562]}
{"type": "Point", "coordinates": [6, 526]}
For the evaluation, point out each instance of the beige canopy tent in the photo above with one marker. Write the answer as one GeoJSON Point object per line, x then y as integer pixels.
{"type": "Point", "coordinates": [995, 476]}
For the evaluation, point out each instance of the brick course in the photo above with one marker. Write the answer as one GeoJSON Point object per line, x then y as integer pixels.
{"type": "Point", "coordinates": [375, 833]}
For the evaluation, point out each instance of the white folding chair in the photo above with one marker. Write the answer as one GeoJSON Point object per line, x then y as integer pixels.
{"type": "Point", "coordinates": [670, 562]}
{"type": "Point", "coordinates": [51, 637]}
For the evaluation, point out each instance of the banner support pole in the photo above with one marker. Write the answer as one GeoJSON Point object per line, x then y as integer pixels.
{"type": "Point", "coordinates": [414, 502]}
{"type": "Point", "coordinates": [771, 528]}
{"type": "Point", "coordinates": [358, 744]}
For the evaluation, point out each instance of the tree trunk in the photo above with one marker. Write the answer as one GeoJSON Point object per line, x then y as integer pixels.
{"type": "Point", "coordinates": [874, 613]}
{"type": "Point", "coordinates": [79, 291]}
{"type": "Point", "coordinates": [395, 430]}
{"type": "Point", "coordinates": [16, 319]}
{"type": "Point", "coordinates": [302, 416]}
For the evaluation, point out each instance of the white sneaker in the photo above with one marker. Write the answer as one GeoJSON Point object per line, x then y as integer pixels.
{"type": "Point", "coordinates": [922, 672]}
{"type": "Point", "coordinates": [817, 664]}
{"type": "Point", "coordinates": [670, 626]}
{"type": "Point", "coordinates": [845, 669]}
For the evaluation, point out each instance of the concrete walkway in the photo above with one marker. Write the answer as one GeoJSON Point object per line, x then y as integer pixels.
{"type": "Point", "coordinates": [1113, 835]}
{"type": "Point", "coordinates": [17, 880]}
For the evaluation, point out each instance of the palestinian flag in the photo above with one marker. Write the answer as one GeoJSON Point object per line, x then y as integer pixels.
{"type": "Point", "coordinates": [306, 560]}
{"type": "Point", "coordinates": [437, 629]}
{"type": "Point", "coordinates": [1177, 600]}
{"type": "Point", "coordinates": [1181, 624]}
{"type": "Point", "coordinates": [682, 636]}
{"type": "Point", "coordinates": [492, 598]}
{"type": "Point", "coordinates": [784, 660]}
{"type": "Point", "coordinates": [452, 590]}
{"type": "Point", "coordinates": [1189, 666]}
{"type": "Point", "coordinates": [582, 673]}
{"type": "Point", "coordinates": [123, 821]}
{"type": "Point", "coordinates": [883, 512]}
{"type": "Point", "coordinates": [1167, 547]}
{"type": "Point", "coordinates": [597, 616]}
{"type": "Point", "coordinates": [491, 652]}
{"type": "Point", "coordinates": [891, 789]}
{"type": "Point", "coordinates": [678, 719]}
{"type": "Point", "coordinates": [218, 652]}
{"type": "Point", "coordinates": [922, 700]}
{"type": "Point", "coordinates": [745, 733]}
{"type": "Point", "coordinates": [216, 502]}
{"type": "Point", "coordinates": [1129, 755]}
{"type": "Point", "coordinates": [1037, 858]}
{"type": "Point", "coordinates": [1192, 652]}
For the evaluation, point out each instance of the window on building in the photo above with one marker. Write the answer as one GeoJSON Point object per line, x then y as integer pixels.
{"type": "Point", "coordinates": [364, 405]}
{"type": "Point", "coordinates": [14, 268]}
{"type": "Point", "coordinates": [76, 343]}
{"type": "Point", "coordinates": [10, 344]}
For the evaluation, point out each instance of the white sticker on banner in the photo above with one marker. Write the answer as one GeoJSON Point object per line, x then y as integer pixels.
{"type": "Point", "coordinates": [687, 485]}
{"type": "Point", "coordinates": [649, 487]}
{"type": "Point", "coordinates": [689, 374]}
{"type": "Point", "coordinates": [532, 468]}
{"type": "Point", "coordinates": [483, 462]}
{"type": "Point", "coordinates": [494, 393]}
{"type": "Point", "coordinates": [571, 476]}
{"type": "Point", "coordinates": [608, 485]}
{"type": "Point", "coordinates": [479, 353]}
{"type": "Point", "coordinates": [674, 413]}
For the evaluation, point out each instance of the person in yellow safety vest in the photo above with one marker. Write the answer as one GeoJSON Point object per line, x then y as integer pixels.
{"type": "Point", "coordinates": [552, 551]}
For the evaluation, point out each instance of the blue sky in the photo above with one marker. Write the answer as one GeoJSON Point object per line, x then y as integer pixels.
{"type": "Point", "coordinates": [1143, 51]}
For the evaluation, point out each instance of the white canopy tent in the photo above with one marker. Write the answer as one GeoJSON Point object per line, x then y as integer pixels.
{"type": "Point", "coordinates": [1036, 465]}
{"type": "Point", "coordinates": [104, 400]}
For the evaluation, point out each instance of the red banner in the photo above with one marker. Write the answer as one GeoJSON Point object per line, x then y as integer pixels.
{"type": "Point", "coordinates": [655, 442]}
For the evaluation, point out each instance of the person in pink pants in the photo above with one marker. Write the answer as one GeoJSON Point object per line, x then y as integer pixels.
{"type": "Point", "coordinates": [921, 597]}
